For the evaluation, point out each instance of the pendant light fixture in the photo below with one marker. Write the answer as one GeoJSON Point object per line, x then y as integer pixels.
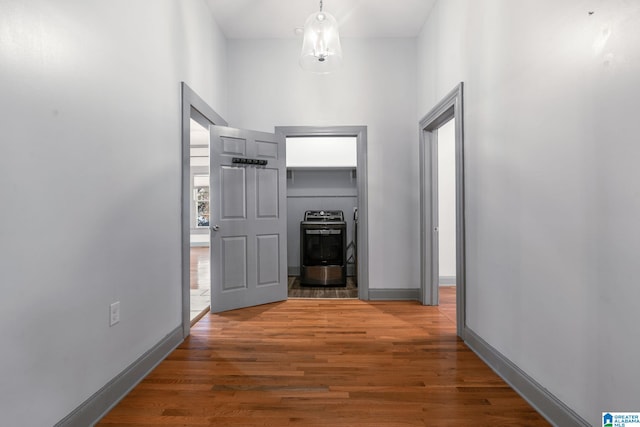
{"type": "Point", "coordinates": [321, 50]}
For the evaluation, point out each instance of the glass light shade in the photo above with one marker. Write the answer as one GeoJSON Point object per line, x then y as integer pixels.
{"type": "Point", "coordinates": [321, 50]}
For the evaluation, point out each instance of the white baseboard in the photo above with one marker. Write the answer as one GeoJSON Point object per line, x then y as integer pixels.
{"type": "Point", "coordinates": [447, 280]}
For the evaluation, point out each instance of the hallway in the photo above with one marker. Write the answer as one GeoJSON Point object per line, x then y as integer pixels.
{"type": "Point", "coordinates": [325, 363]}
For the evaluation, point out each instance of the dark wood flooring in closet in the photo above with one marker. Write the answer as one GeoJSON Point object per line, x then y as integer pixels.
{"type": "Point", "coordinates": [296, 290]}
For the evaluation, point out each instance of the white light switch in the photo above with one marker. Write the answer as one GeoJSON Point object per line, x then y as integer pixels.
{"type": "Point", "coordinates": [114, 311]}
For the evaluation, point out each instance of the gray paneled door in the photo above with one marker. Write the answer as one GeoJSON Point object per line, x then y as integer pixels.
{"type": "Point", "coordinates": [247, 219]}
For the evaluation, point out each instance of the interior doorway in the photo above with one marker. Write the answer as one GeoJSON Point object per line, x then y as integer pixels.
{"type": "Point", "coordinates": [197, 118]}
{"type": "Point", "coordinates": [446, 235]}
{"type": "Point", "coordinates": [442, 204]}
{"type": "Point", "coordinates": [322, 205]}
{"type": "Point", "coordinates": [199, 263]}
{"type": "Point", "coordinates": [326, 211]}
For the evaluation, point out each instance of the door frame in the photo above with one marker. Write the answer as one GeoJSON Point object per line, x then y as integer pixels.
{"type": "Point", "coordinates": [360, 133]}
{"type": "Point", "coordinates": [450, 107]}
{"type": "Point", "coordinates": [193, 106]}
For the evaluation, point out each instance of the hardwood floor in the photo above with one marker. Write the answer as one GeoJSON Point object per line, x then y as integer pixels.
{"type": "Point", "coordinates": [296, 290]}
{"type": "Point", "coordinates": [331, 363]}
{"type": "Point", "coordinates": [448, 302]}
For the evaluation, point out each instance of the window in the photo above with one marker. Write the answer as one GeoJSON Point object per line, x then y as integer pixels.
{"type": "Point", "coordinates": [201, 199]}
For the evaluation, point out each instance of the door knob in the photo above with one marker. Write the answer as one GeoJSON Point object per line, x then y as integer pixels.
{"type": "Point", "coordinates": [215, 227]}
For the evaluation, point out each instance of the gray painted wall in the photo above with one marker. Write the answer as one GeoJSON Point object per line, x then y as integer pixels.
{"type": "Point", "coordinates": [366, 91]}
{"type": "Point", "coordinates": [552, 203]}
{"type": "Point", "coordinates": [90, 167]}
{"type": "Point", "coordinates": [318, 190]}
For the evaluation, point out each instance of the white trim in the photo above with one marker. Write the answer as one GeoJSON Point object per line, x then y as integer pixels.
{"type": "Point", "coordinates": [447, 280]}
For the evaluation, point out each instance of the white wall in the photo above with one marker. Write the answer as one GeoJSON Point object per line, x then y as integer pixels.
{"type": "Point", "coordinates": [552, 201]}
{"type": "Point", "coordinates": [90, 188]}
{"type": "Point", "coordinates": [376, 88]}
{"type": "Point", "coordinates": [447, 201]}
{"type": "Point", "coordinates": [323, 151]}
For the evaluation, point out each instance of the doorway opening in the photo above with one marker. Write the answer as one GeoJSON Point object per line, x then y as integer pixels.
{"type": "Point", "coordinates": [197, 118]}
{"type": "Point", "coordinates": [199, 263]}
{"type": "Point", "coordinates": [446, 235]}
{"type": "Point", "coordinates": [442, 206]}
{"type": "Point", "coordinates": [326, 211]}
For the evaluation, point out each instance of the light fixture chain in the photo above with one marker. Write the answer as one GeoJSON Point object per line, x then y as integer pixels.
{"type": "Point", "coordinates": [320, 5]}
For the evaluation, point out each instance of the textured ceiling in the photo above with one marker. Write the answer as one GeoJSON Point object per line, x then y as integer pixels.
{"type": "Point", "coordinates": [250, 19]}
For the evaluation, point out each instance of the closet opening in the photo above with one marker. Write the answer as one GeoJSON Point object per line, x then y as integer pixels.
{"type": "Point", "coordinates": [325, 194]}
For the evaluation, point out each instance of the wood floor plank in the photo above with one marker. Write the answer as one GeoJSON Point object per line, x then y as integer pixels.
{"type": "Point", "coordinates": [325, 363]}
{"type": "Point", "coordinates": [297, 290]}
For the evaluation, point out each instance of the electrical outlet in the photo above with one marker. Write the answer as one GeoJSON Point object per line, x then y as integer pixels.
{"type": "Point", "coordinates": [114, 311]}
